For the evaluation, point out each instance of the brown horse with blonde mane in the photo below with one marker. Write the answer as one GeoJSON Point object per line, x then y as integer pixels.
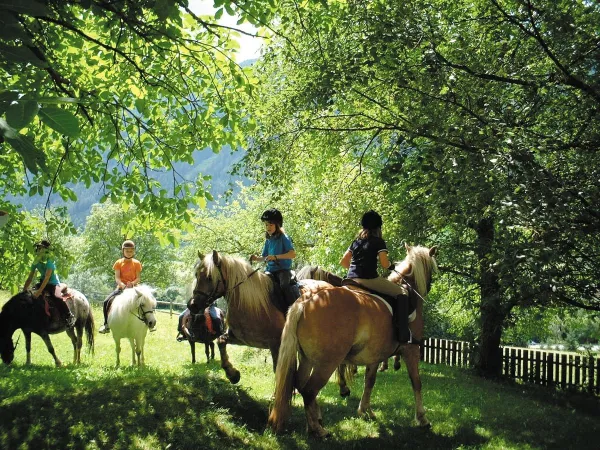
{"type": "Point", "coordinates": [311, 334]}
{"type": "Point", "coordinates": [252, 319]}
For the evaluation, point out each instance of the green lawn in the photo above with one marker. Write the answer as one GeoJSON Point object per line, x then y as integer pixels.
{"type": "Point", "coordinates": [174, 404]}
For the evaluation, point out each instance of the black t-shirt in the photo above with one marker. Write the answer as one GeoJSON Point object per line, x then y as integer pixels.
{"type": "Point", "coordinates": [365, 254]}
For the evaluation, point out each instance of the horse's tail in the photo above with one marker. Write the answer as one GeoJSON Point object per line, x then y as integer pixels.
{"type": "Point", "coordinates": [89, 331]}
{"type": "Point", "coordinates": [286, 369]}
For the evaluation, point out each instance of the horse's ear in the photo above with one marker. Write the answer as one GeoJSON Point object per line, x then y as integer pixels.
{"type": "Point", "coordinates": [216, 258]}
{"type": "Point", "coordinates": [433, 250]}
{"type": "Point", "coordinates": [200, 255]}
{"type": "Point", "coordinates": [407, 247]}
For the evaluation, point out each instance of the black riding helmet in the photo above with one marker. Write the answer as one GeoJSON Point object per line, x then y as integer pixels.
{"type": "Point", "coordinates": [272, 215]}
{"type": "Point", "coordinates": [42, 244]}
{"type": "Point", "coordinates": [371, 220]}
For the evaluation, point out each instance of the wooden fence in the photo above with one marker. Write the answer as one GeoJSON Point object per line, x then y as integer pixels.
{"type": "Point", "coordinates": [567, 370]}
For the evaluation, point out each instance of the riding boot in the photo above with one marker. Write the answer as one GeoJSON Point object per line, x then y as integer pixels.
{"type": "Point", "coordinates": [400, 320]}
{"type": "Point", "coordinates": [105, 307]}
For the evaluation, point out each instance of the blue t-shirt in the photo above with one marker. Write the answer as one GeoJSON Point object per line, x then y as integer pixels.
{"type": "Point", "coordinates": [365, 254]}
{"type": "Point", "coordinates": [42, 266]}
{"type": "Point", "coordinates": [278, 245]}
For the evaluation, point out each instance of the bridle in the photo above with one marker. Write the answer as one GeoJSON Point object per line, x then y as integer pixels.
{"type": "Point", "coordinates": [141, 314]}
{"type": "Point", "coordinates": [215, 294]}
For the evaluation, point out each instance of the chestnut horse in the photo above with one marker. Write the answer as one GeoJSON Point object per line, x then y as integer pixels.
{"type": "Point", "coordinates": [317, 273]}
{"type": "Point", "coordinates": [252, 319]}
{"type": "Point", "coordinates": [313, 332]}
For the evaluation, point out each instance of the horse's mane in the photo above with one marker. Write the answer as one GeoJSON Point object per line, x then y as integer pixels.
{"type": "Point", "coordinates": [251, 290]}
{"type": "Point", "coordinates": [418, 265]}
{"type": "Point", "coordinates": [129, 299]}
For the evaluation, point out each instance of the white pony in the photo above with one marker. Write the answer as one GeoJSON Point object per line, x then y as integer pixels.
{"type": "Point", "coordinates": [130, 316]}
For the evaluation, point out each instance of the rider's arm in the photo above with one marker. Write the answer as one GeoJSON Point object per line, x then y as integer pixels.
{"type": "Point", "coordinates": [44, 283]}
{"type": "Point", "coordinates": [29, 279]}
{"type": "Point", "coordinates": [346, 259]}
{"type": "Point", "coordinates": [384, 260]}
{"type": "Point", "coordinates": [287, 255]}
{"type": "Point", "coordinates": [120, 284]}
{"type": "Point", "coordinates": [137, 279]}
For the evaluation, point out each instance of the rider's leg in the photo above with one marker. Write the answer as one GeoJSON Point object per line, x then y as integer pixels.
{"type": "Point", "coordinates": [105, 308]}
{"type": "Point", "coordinates": [290, 292]}
{"type": "Point", "coordinates": [61, 305]}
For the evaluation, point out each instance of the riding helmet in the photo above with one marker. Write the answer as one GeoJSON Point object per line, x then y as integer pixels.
{"type": "Point", "coordinates": [42, 244]}
{"type": "Point", "coordinates": [371, 220]}
{"type": "Point", "coordinates": [127, 244]}
{"type": "Point", "coordinates": [272, 215]}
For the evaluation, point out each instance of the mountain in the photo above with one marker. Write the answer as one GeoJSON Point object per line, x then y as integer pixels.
{"type": "Point", "coordinates": [217, 165]}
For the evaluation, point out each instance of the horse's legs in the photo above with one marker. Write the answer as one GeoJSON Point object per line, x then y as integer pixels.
{"type": "Point", "coordinates": [364, 408]}
{"type": "Point", "coordinates": [212, 350]}
{"type": "Point", "coordinates": [193, 350]}
{"type": "Point", "coordinates": [50, 348]}
{"type": "Point", "coordinates": [139, 350]}
{"type": "Point", "coordinates": [28, 346]}
{"type": "Point", "coordinates": [341, 374]}
{"type": "Point", "coordinates": [411, 356]}
{"type": "Point", "coordinates": [275, 354]}
{"type": "Point", "coordinates": [384, 365]}
{"type": "Point", "coordinates": [118, 351]}
{"type": "Point", "coordinates": [77, 343]}
{"type": "Point", "coordinates": [232, 373]}
{"type": "Point", "coordinates": [319, 377]}
{"type": "Point", "coordinates": [303, 372]}
{"type": "Point", "coordinates": [396, 362]}
{"type": "Point", "coordinates": [134, 361]}
{"type": "Point", "coordinates": [207, 351]}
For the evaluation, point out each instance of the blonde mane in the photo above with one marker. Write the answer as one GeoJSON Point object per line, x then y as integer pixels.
{"type": "Point", "coordinates": [246, 290]}
{"type": "Point", "coordinates": [418, 266]}
{"type": "Point", "coordinates": [129, 299]}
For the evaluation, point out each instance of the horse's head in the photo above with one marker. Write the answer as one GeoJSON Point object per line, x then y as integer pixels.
{"type": "Point", "coordinates": [7, 349]}
{"type": "Point", "coordinates": [416, 269]}
{"type": "Point", "coordinates": [209, 281]}
{"type": "Point", "coordinates": [147, 305]}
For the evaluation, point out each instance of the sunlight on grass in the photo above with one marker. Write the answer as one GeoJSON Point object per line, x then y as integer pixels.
{"type": "Point", "coordinates": [174, 404]}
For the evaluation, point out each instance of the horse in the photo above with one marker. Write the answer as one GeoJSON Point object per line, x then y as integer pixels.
{"type": "Point", "coordinates": [317, 273]}
{"type": "Point", "coordinates": [194, 328]}
{"type": "Point", "coordinates": [31, 315]}
{"type": "Point", "coordinates": [131, 316]}
{"type": "Point", "coordinates": [252, 319]}
{"type": "Point", "coordinates": [346, 325]}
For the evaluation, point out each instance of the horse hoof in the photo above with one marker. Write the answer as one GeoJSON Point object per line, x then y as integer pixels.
{"type": "Point", "coordinates": [345, 393]}
{"type": "Point", "coordinates": [397, 365]}
{"type": "Point", "coordinates": [235, 378]}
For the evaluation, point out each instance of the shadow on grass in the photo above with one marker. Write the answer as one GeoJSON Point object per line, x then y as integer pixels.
{"type": "Point", "coordinates": [127, 408]}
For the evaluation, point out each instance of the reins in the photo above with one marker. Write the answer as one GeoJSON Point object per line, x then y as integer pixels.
{"type": "Point", "coordinates": [212, 297]}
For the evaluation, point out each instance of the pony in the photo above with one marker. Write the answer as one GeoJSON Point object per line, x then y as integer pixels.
{"type": "Point", "coordinates": [251, 317]}
{"type": "Point", "coordinates": [131, 316]}
{"type": "Point", "coordinates": [346, 325]}
{"type": "Point", "coordinates": [31, 315]}
{"type": "Point", "coordinates": [195, 322]}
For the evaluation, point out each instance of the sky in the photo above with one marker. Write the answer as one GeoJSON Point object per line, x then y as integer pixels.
{"type": "Point", "coordinates": [249, 46]}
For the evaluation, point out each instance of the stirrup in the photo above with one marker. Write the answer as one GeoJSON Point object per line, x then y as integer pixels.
{"type": "Point", "coordinates": [104, 329]}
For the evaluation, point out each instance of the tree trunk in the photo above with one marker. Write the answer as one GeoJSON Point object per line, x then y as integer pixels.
{"type": "Point", "coordinates": [488, 357]}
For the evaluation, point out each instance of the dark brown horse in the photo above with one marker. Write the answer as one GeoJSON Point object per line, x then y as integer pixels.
{"type": "Point", "coordinates": [194, 329]}
{"type": "Point", "coordinates": [29, 314]}
{"type": "Point", "coordinates": [252, 319]}
{"type": "Point", "coordinates": [343, 325]}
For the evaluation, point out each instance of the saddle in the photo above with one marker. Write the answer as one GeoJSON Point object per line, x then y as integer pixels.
{"type": "Point", "coordinates": [349, 283]}
{"type": "Point", "coordinates": [278, 296]}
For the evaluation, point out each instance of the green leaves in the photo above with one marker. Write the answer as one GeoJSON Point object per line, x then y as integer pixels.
{"type": "Point", "coordinates": [60, 120]}
{"type": "Point", "coordinates": [21, 113]}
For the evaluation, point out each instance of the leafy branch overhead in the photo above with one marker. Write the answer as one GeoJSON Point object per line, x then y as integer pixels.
{"type": "Point", "coordinates": [113, 93]}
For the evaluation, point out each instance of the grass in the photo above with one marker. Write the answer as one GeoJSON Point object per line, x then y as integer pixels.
{"type": "Point", "coordinates": [174, 404]}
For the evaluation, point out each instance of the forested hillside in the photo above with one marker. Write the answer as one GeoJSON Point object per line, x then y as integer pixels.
{"type": "Point", "coordinates": [206, 164]}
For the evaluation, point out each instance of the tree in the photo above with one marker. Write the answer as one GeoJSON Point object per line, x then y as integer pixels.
{"type": "Point", "coordinates": [482, 118]}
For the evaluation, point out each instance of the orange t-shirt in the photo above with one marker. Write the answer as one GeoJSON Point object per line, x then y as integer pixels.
{"type": "Point", "coordinates": [128, 268]}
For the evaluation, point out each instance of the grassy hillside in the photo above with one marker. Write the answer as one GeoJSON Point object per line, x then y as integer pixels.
{"type": "Point", "coordinates": [174, 404]}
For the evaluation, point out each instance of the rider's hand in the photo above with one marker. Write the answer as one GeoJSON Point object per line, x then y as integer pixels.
{"type": "Point", "coordinates": [253, 258]}
{"type": "Point", "coordinates": [37, 293]}
{"type": "Point", "coordinates": [271, 258]}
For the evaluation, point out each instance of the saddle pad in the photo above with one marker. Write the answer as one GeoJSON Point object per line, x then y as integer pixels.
{"type": "Point", "coordinates": [364, 291]}
{"type": "Point", "coordinates": [412, 316]}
